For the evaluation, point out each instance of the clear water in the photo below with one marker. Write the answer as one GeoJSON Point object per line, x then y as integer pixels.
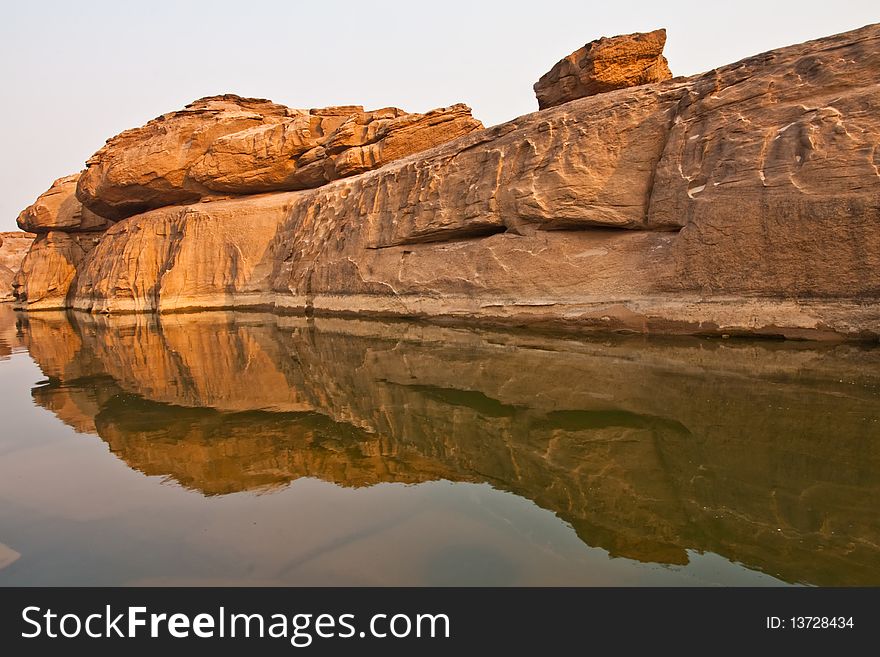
{"type": "Point", "coordinates": [222, 448]}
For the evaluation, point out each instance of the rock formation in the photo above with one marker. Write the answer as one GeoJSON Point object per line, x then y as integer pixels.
{"type": "Point", "coordinates": [218, 145]}
{"type": "Point", "coordinates": [232, 145]}
{"type": "Point", "coordinates": [65, 231]}
{"type": "Point", "coordinates": [604, 65]}
{"type": "Point", "coordinates": [743, 200]}
{"type": "Point", "coordinates": [13, 247]}
{"type": "Point", "coordinates": [205, 255]}
{"type": "Point", "coordinates": [49, 268]}
{"type": "Point", "coordinates": [58, 209]}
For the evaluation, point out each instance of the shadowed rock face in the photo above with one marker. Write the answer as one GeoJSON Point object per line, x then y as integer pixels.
{"type": "Point", "coordinates": [761, 453]}
{"type": "Point", "coordinates": [604, 65]}
{"type": "Point", "coordinates": [232, 145]}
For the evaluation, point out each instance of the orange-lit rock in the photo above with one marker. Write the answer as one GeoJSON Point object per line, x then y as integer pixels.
{"type": "Point", "coordinates": [232, 145]}
{"type": "Point", "coordinates": [13, 247]}
{"type": "Point", "coordinates": [49, 268]}
{"type": "Point", "coordinates": [58, 209]}
{"type": "Point", "coordinates": [604, 65]}
{"type": "Point", "coordinates": [739, 201]}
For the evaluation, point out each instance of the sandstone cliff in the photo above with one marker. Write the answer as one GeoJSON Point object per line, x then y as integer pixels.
{"type": "Point", "coordinates": [13, 247]}
{"type": "Point", "coordinates": [743, 200]}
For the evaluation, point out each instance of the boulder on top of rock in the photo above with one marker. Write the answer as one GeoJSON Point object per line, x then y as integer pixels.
{"type": "Point", "coordinates": [58, 209]}
{"type": "Point", "coordinates": [604, 65]}
{"type": "Point", "coordinates": [231, 145]}
{"type": "Point", "coordinates": [314, 148]}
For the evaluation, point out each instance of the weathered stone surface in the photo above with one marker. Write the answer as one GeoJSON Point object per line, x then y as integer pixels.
{"type": "Point", "coordinates": [49, 268]}
{"type": "Point", "coordinates": [13, 247]}
{"type": "Point", "coordinates": [603, 65]}
{"type": "Point", "coordinates": [772, 167]}
{"type": "Point", "coordinates": [6, 278]}
{"type": "Point", "coordinates": [515, 178]}
{"type": "Point", "coordinates": [14, 244]}
{"type": "Point", "coordinates": [192, 256]}
{"type": "Point", "coordinates": [748, 195]}
{"type": "Point", "coordinates": [232, 145]}
{"type": "Point", "coordinates": [638, 467]}
{"type": "Point", "coordinates": [146, 167]}
{"type": "Point", "coordinates": [312, 149]}
{"type": "Point", "coordinates": [58, 209]}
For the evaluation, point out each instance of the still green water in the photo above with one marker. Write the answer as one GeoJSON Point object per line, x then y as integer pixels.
{"type": "Point", "coordinates": [222, 448]}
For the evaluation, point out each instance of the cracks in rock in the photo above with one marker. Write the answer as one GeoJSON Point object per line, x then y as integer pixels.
{"type": "Point", "coordinates": [490, 135]}
{"type": "Point", "coordinates": [762, 156]}
{"type": "Point", "coordinates": [366, 281]}
{"type": "Point", "coordinates": [440, 235]}
{"type": "Point", "coordinates": [875, 159]}
{"type": "Point", "coordinates": [675, 116]}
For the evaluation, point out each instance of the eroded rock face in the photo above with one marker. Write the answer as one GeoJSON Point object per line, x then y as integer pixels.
{"type": "Point", "coordinates": [323, 145]}
{"type": "Point", "coordinates": [13, 247]}
{"type": "Point", "coordinates": [58, 209]}
{"type": "Point", "coordinates": [65, 231]}
{"type": "Point", "coordinates": [743, 200]}
{"type": "Point", "coordinates": [604, 65]}
{"type": "Point", "coordinates": [232, 145]}
{"type": "Point", "coordinates": [526, 180]}
{"type": "Point", "coordinates": [49, 268]}
{"type": "Point", "coordinates": [766, 166]}
{"type": "Point", "coordinates": [772, 168]}
{"type": "Point", "coordinates": [6, 278]}
{"type": "Point", "coordinates": [206, 255]}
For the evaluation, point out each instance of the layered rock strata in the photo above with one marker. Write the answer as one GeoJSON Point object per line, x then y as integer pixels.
{"type": "Point", "coordinates": [604, 65]}
{"type": "Point", "coordinates": [49, 268]}
{"type": "Point", "coordinates": [65, 232]}
{"type": "Point", "coordinates": [232, 145]}
{"type": "Point", "coordinates": [14, 246]}
{"type": "Point", "coordinates": [743, 200]}
{"type": "Point", "coordinates": [58, 209]}
{"type": "Point", "coordinates": [214, 148]}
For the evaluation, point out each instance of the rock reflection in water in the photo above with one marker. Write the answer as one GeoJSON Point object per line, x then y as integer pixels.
{"type": "Point", "coordinates": [764, 453]}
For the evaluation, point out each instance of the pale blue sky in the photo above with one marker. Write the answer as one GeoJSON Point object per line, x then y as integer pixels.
{"type": "Point", "coordinates": [75, 73]}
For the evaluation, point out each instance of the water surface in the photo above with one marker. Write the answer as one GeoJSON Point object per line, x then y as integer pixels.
{"type": "Point", "coordinates": [235, 448]}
